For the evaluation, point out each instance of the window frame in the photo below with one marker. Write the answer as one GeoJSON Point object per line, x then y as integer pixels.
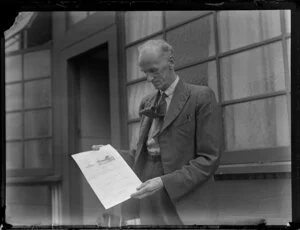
{"type": "Point", "coordinates": [276, 159]}
{"type": "Point", "coordinates": [32, 172]}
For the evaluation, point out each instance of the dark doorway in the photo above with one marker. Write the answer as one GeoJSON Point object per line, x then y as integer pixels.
{"type": "Point", "coordinates": [93, 106]}
{"type": "Point", "coordinates": [89, 125]}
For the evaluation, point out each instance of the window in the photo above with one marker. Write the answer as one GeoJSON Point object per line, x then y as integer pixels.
{"type": "Point", "coordinates": [193, 42]}
{"type": "Point", "coordinates": [142, 23]}
{"type": "Point", "coordinates": [28, 98]}
{"type": "Point", "coordinates": [244, 56]}
{"type": "Point", "coordinates": [29, 157]}
{"type": "Point", "coordinates": [28, 110]}
{"type": "Point", "coordinates": [254, 82]}
{"type": "Point", "coordinates": [242, 28]}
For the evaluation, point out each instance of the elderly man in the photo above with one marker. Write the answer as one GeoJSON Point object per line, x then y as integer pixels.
{"type": "Point", "coordinates": [178, 147]}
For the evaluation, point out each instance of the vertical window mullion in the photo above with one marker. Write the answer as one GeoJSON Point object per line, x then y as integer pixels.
{"type": "Point", "coordinates": [217, 50]}
{"type": "Point", "coordinates": [285, 63]}
{"type": "Point", "coordinates": [123, 31]}
{"type": "Point", "coordinates": [123, 66]}
{"type": "Point", "coordinates": [23, 113]}
{"type": "Point", "coordinates": [284, 49]}
{"type": "Point", "coordinates": [25, 41]}
{"type": "Point", "coordinates": [164, 25]}
{"type": "Point", "coordinates": [52, 111]}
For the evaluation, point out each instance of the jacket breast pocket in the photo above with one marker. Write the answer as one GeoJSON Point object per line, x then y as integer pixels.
{"type": "Point", "coordinates": [185, 121]}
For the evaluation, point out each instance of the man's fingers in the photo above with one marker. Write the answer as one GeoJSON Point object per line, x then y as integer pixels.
{"type": "Point", "coordinates": [147, 194]}
{"type": "Point", "coordinates": [142, 185]}
{"type": "Point", "coordinates": [144, 194]}
{"type": "Point", "coordinates": [145, 191]}
{"type": "Point", "coordinates": [138, 193]}
{"type": "Point", "coordinates": [147, 188]}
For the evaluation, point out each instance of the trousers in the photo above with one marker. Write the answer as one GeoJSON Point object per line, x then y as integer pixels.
{"type": "Point", "coordinates": [157, 209]}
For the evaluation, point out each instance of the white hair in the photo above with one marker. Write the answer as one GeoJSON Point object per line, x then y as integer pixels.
{"type": "Point", "coordinates": [164, 47]}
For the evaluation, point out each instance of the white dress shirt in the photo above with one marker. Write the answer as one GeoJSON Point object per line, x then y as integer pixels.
{"type": "Point", "coordinates": [152, 143]}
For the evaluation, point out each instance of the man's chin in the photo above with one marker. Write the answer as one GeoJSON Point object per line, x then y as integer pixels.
{"type": "Point", "coordinates": [161, 87]}
{"type": "Point", "coordinates": [157, 87]}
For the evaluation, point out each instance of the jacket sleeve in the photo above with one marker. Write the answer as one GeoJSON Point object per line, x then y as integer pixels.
{"type": "Point", "coordinates": [202, 167]}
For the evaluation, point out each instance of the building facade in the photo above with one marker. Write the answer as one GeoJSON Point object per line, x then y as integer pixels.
{"type": "Point", "coordinates": [72, 81]}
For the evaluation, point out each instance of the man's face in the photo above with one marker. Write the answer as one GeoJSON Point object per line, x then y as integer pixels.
{"type": "Point", "coordinates": [156, 68]}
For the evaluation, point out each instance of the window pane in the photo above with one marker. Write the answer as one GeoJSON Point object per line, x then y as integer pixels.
{"type": "Point", "coordinates": [37, 93]}
{"type": "Point", "coordinates": [13, 68]}
{"type": "Point", "coordinates": [12, 40]}
{"type": "Point", "coordinates": [40, 31]}
{"type": "Point", "coordinates": [133, 70]}
{"type": "Point", "coordinates": [257, 124]}
{"type": "Point", "coordinates": [287, 14]}
{"type": "Point", "coordinates": [13, 47]}
{"type": "Point", "coordinates": [13, 44]}
{"type": "Point", "coordinates": [240, 28]}
{"type": "Point", "coordinates": [13, 97]}
{"type": "Point", "coordinates": [14, 155]}
{"type": "Point", "coordinates": [37, 64]}
{"type": "Point", "coordinates": [76, 16]}
{"type": "Point", "coordinates": [13, 126]}
{"type": "Point", "coordinates": [38, 123]}
{"type": "Point", "coordinates": [135, 94]}
{"type": "Point", "coordinates": [139, 24]}
{"type": "Point", "coordinates": [175, 17]}
{"type": "Point", "coordinates": [28, 205]}
{"type": "Point", "coordinates": [38, 154]}
{"type": "Point", "coordinates": [192, 42]}
{"type": "Point", "coordinates": [253, 72]}
{"type": "Point", "coordinates": [133, 134]}
{"type": "Point", "coordinates": [203, 74]}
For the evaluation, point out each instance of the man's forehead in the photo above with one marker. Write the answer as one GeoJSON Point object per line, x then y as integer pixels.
{"type": "Point", "coordinates": [150, 55]}
{"type": "Point", "coordinates": [149, 51]}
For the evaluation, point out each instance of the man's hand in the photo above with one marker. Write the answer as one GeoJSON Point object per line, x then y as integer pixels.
{"type": "Point", "coordinates": [148, 188]}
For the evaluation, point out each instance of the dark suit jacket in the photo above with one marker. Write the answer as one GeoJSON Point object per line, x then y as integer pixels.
{"type": "Point", "coordinates": [189, 143]}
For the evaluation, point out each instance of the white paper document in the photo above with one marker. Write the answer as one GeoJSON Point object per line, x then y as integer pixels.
{"type": "Point", "coordinates": [111, 178]}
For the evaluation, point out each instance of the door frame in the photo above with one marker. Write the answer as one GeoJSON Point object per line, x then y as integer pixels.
{"type": "Point", "coordinates": [72, 199]}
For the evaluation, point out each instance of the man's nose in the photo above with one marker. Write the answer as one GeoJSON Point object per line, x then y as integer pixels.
{"type": "Point", "coordinates": [149, 77]}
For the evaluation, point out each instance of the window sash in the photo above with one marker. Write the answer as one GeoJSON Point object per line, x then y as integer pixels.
{"type": "Point", "coordinates": [274, 154]}
{"type": "Point", "coordinates": [22, 171]}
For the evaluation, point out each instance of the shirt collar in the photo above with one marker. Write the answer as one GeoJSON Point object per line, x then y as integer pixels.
{"type": "Point", "coordinates": [170, 90]}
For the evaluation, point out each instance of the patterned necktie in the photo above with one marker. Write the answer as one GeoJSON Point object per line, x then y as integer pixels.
{"type": "Point", "coordinates": [158, 110]}
{"type": "Point", "coordinates": [161, 108]}
{"type": "Point", "coordinates": [162, 105]}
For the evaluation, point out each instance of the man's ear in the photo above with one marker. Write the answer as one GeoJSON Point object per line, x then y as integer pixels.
{"type": "Point", "coordinates": [172, 61]}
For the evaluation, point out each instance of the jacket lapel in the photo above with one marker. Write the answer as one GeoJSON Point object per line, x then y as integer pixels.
{"type": "Point", "coordinates": [181, 94]}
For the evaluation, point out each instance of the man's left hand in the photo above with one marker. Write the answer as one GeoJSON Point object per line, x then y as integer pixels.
{"type": "Point", "coordinates": [148, 188]}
